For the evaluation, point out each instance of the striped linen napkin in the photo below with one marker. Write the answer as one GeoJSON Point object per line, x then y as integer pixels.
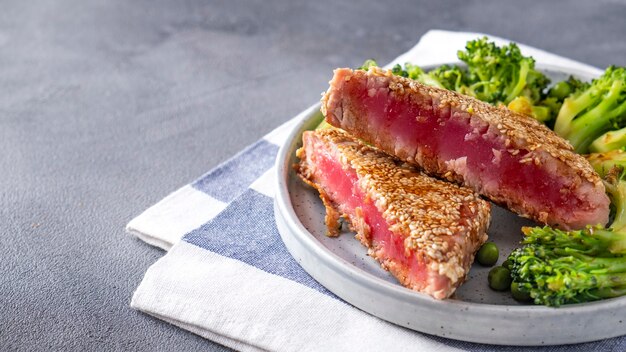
{"type": "Point", "coordinates": [228, 277]}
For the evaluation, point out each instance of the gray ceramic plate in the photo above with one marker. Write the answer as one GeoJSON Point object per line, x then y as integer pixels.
{"type": "Point", "coordinates": [475, 313]}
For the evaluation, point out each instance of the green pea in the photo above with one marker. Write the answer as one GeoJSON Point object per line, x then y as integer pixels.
{"type": "Point", "coordinates": [561, 90]}
{"type": "Point", "coordinates": [499, 278]}
{"type": "Point", "coordinates": [488, 254]}
{"type": "Point", "coordinates": [508, 264]}
{"type": "Point", "coordinates": [518, 294]}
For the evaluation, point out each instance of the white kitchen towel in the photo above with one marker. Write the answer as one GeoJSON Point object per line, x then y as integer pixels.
{"type": "Point", "coordinates": [228, 277]}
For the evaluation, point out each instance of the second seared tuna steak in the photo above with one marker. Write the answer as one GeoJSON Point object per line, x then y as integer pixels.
{"type": "Point", "coordinates": [510, 158]}
{"type": "Point", "coordinates": [424, 231]}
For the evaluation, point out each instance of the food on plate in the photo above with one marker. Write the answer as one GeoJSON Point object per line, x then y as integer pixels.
{"type": "Point", "coordinates": [486, 124]}
{"type": "Point", "coordinates": [488, 254]}
{"type": "Point", "coordinates": [519, 295]}
{"type": "Point", "coordinates": [499, 278]}
{"type": "Point", "coordinates": [424, 231]}
{"type": "Point", "coordinates": [508, 157]}
{"type": "Point", "coordinates": [593, 109]}
{"type": "Point", "coordinates": [555, 267]}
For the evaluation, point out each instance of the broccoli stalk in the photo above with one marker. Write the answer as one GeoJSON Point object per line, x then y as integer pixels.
{"type": "Point", "coordinates": [609, 141]}
{"type": "Point", "coordinates": [593, 109]}
{"type": "Point", "coordinates": [607, 165]}
{"type": "Point", "coordinates": [558, 267]}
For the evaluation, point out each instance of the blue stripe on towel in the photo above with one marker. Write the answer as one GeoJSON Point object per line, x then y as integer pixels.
{"type": "Point", "coordinates": [246, 231]}
{"type": "Point", "coordinates": [233, 177]}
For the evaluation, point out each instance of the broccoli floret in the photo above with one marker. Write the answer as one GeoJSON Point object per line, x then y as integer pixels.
{"type": "Point", "coordinates": [450, 77]}
{"type": "Point", "coordinates": [367, 64]}
{"type": "Point", "coordinates": [399, 71]}
{"type": "Point", "coordinates": [564, 89]}
{"type": "Point", "coordinates": [501, 74]}
{"type": "Point", "coordinates": [556, 276]}
{"type": "Point", "coordinates": [593, 109]}
{"type": "Point", "coordinates": [415, 72]}
{"type": "Point", "coordinates": [556, 94]}
{"type": "Point", "coordinates": [558, 267]}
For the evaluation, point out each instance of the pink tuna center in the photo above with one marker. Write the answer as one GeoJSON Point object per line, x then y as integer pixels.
{"type": "Point", "coordinates": [342, 187]}
{"type": "Point", "coordinates": [453, 138]}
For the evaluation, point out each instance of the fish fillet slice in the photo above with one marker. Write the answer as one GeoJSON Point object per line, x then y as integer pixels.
{"type": "Point", "coordinates": [424, 231]}
{"type": "Point", "coordinates": [510, 158]}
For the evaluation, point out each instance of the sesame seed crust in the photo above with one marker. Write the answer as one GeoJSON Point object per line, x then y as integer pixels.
{"type": "Point", "coordinates": [378, 107]}
{"type": "Point", "coordinates": [521, 132]}
{"type": "Point", "coordinates": [441, 223]}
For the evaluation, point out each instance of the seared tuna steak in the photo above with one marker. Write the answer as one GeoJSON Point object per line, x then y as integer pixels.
{"type": "Point", "coordinates": [510, 158]}
{"type": "Point", "coordinates": [424, 231]}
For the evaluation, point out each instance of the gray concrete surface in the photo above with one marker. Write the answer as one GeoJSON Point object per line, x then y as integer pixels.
{"type": "Point", "coordinates": [107, 106]}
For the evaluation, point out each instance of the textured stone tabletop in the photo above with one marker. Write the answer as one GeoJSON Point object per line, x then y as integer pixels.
{"type": "Point", "coordinates": [107, 106]}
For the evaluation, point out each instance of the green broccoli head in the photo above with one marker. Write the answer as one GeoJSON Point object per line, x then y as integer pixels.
{"type": "Point", "coordinates": [555, 277]}
{"type": "Point", "coordinates": [500, 74]}
{"type": "Point", "coordinates": [564, 89]}
{"type": "Point", "coordinates": [399, 71]}
{"type": "Point", "coordinates": [367, 64]}
{"type": "Point", "coordinates": [450, 77]}
{"type": "Point", "coordinates": [417, 73]}
{"type": "Point", "coordinates": [561, 267]}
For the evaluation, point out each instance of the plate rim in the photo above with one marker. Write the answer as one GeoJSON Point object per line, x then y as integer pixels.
{"type": "Point", "coordinates": [285, 212]}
